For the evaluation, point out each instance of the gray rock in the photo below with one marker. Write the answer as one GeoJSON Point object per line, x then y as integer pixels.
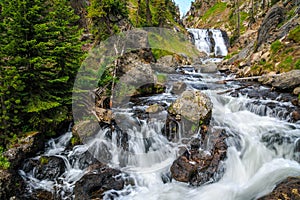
{"type": "Point", "coordinates": [287, 81]}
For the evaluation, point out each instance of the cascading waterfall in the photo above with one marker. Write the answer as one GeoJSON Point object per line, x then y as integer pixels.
{"type": "Point", "coordinates": [210, 41]}
{"type": "Point", "coordinates": [262, 147]}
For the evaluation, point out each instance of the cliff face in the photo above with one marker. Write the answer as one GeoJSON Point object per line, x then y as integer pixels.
{"type": "Point", "coordinates": [262, 33]}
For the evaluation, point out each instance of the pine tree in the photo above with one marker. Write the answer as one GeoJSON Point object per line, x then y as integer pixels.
{"type": "Point", "coordinates": [104, 16]}
{"type": "Point", "coordinates": [41, 48]}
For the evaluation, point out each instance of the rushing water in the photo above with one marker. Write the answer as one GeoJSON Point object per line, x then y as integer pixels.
{"type": "Point", "coordinates": [255, 162]}
{"type": "Point", "coordinates": [263, 147]}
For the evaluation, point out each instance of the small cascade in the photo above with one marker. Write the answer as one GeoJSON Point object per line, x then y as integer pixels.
{"type": "Point", "coordinates": [210, 41]}
{"type": "Point", "coordinates": [264, 144]}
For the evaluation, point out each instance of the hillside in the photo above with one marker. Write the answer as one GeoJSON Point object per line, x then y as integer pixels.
{"type": "Point", "coordinates": [264, 35]}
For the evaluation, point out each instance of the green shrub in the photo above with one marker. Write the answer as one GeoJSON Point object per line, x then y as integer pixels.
{"type": "Point", "coordinates": [295, 34]}
{"type": "Point", "coordinates": [276, 46]}
{"type": "Point", "coordinates": [287, 63]}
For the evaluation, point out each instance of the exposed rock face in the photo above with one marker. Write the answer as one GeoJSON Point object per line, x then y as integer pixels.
{"type": "Point", "coordinates": [269, 24]}
{"type": "Point", "coordinates": [289, 189]}
{"type": "Point", "coordinates": [99, 179]}
{"type": "Point", "coordinates": [198, 167]}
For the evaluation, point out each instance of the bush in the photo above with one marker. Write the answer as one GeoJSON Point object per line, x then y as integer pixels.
{"type": "Point", "coordinates": [275, 46]}
{"type": "Point", "coordinates": [295, 34]}
{"type": "Point", "coordinates": [297, 64]}
{"type": "Point", "coordinates": [4, 163]}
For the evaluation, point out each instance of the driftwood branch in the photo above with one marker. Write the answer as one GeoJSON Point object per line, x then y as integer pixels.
{"type": "Point", "coordinates": [233, 89]}
{"type": "Point", "coordinates": [245, 78]}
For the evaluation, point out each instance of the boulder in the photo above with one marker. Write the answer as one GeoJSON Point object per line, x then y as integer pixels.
{"type": "Point", "coordinates": [178, 87]}
{"type": "Point", "coordinates": [100, 178]}
{"type": "Point", "coordinates": [46, 167]}
{"type": "Point", "coordinates": [288, 189]}
{"type": "Point", "coordinates": [287, 81]}
{"type": "Point", "coordinates": [209, 68]}
{"type": "Point", "coordinates": [192, 109]}
{"type": "Point", "coordinates": [198, 167]}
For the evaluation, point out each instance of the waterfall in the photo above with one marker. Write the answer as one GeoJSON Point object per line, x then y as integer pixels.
{"type": "Point", "coordinates": [210, 41]}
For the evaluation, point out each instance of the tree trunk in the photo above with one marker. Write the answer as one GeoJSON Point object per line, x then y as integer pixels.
{"type": "Point", "coordinates": [138, 12]}
{"type": "Point", "coordinates": [148, 13]}
{"type": "Point", "coordinates": [238, 17]}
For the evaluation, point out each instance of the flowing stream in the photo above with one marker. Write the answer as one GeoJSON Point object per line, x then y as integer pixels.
{"type": "Point", "coordinates": [264, 147]}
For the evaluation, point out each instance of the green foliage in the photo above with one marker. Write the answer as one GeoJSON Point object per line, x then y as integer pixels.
{"type": "Point", "coordinates": [4, 163]}
{"type": "Point", "coordinates": [276, 46]}
{"type": "Point", "coordinates": [40, 53]}
{"type": "Point", "coordinates": [104, 16]}
{"type": "Point", "coordinates": [297, 64]}
{"type": "Point", "coordinates": [287, 64]}
{"type": "Point", "coordinates": [295, 34]}
{"type": "Point", "coordinates": [161, 78]}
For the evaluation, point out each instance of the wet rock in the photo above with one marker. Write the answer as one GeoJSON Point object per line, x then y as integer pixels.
{"type": "Point", "coordinates": [99, 179]}
{"type": "Point", "coordinates": [296, 115]}
{"type": "Point", "coordinates": [289, 189]}
{"type": "Point", "coordinates": [178, 87]}
{"type": "Point", "coordinates": [46, 167]}
{"type": "Point", "coordinates": [197, 167]}
{"type": "Point", "coordinates": [192, 109]}
{"type": "Point", "coordinates": [155, 108]}
{"type": "Point", "coordinates": [41, 195]}
{"type": "Point", "coordinates": [296, 91]}
{"type": "Point", "coordinates": [26, 147]}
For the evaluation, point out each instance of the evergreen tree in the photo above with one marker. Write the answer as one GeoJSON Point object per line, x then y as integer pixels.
{"type": "Point", "coordinates": [41, 51]}
{"type": "Point", "coordinates": [104, 16]}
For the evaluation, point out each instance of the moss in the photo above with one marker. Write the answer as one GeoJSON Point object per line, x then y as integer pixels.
{"type": "Point", "coordinates": [295, 34]}
{"type": "Point", "coordinates": [230, 55]}
{"type": "Point", "coordinates": [75, 140]}
{"type": "Point", "coordinates": [44, 160]}
{"type": "Point", "coordinates": [161, 78]}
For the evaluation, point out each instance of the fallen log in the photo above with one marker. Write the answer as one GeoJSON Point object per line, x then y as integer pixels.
{"type": "Point", "coordinates": [233, 89]}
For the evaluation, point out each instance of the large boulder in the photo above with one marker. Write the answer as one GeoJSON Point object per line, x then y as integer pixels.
{"type": "Point", "coordinates": [196, 166]}
{"type": "Point", "coordinates": [46, 167]}
{"type": "Point", "coordinates": [11, 184]}
{"type": "Point", "coordinates": [99, 179]}
{"type": "Point", "coordinates": [289, 189]}
{"type": "Point", "coordinates": [285, 81]}
{"type": "Point", "coordinates": [192, 109]}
